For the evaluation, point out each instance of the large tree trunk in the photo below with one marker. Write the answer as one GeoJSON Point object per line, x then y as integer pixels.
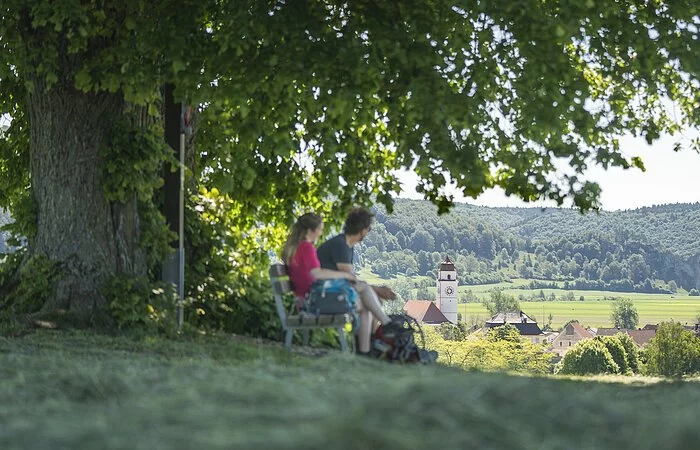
{"type": "Point", "coordinates": [90, 238]}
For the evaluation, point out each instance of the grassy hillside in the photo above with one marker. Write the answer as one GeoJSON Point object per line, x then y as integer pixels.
{"type": "Point", "coordinates": [82, 391]}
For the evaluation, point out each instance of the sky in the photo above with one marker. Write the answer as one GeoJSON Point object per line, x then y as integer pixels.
{"type": "Point", "coordinates": [670, 177]}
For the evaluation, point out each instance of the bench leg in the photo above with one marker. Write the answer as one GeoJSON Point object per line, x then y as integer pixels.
{"type": "Point", "coordinates": [343, 340]}
{"type": "Point", "coordinates": [305, 337]}
{"type": "Point", "coordinates": [288, 334]}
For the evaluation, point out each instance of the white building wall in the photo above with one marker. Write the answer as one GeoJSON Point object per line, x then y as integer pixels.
{"type": "Point", "coordinates": [446, 297]}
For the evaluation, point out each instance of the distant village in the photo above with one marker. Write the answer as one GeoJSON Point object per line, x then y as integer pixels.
{"type": "Point", "coordinates": [444, 310]}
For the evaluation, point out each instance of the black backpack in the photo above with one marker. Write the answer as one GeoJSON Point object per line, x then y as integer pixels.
{"type": "Point", "coordinates": [398, 343]}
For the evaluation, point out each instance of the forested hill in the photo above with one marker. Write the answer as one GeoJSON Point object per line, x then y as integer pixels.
{"type": "Point", "coordinates": [674, 228]}
{"type": "Point", "coordinates": [653, 249]}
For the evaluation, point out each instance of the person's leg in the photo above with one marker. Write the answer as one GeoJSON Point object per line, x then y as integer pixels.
{"type": "Point", "coordinates": [364, 334]}
{"type": "Point", "coordinates": [369, 307]}
{"type": "Point", "coordinates": [371, 302]}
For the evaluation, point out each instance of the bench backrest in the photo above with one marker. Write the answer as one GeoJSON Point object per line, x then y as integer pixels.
{"type": "Point", "coordinates": [281, 285]}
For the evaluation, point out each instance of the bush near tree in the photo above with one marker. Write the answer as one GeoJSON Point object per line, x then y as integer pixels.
{"type": "Point", "coordinates": [453, 332]}
{"type": "Point", "coordinates": [617, 351]}
{"type": "Point", "coordinates": [631, 350]}
{"type": "Point", "coordinates": [490, 353]}
{"type": "Point", "coordinates": [589, 356]}
{"type": "Point", "coordinates": [506, 332]}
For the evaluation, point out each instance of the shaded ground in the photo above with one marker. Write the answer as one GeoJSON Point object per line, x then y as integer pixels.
{"type": "Point", "coordinates": [83, 391]}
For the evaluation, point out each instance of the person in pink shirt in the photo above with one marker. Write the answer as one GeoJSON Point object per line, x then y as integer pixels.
{"type": "Point", "coordinates": [299, 254]}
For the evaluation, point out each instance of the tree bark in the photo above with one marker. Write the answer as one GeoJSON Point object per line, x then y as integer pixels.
{"type": "Point", "coordinates": [90, 238]}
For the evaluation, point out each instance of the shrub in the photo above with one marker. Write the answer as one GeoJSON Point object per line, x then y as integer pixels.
{"type": "Point", "coordinates": [674, 351]}
{"type": "Point", "coordinates": [227, 286]}
{"type": "Point", "coordinates": [451, 332]}
{"type": "Point", "coordinates": [617, 351]}
{"type": "Point", "coordinates": [26, 282]}
{"type": "Point", "coordinates": [694, 293]}
{"type": "Point", "coordinates": [137, 302]}
{"type": "Point", "coordinates": [589, 356]}
{"type": "Point", "coordinates": [506, 332]}
{"type": "Point", "coordinates": [490, 355]}
{"type": "Point", "coordinates": [631, 350]}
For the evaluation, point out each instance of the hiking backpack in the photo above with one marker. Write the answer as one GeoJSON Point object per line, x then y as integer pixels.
{"type": "Point", "coordinates": [398, 344]}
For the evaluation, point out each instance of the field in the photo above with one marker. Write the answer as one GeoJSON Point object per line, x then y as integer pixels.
{"type": "Point", "coordinates": [593, 311]}
{"type": "Point", "coordinates": [81, 391]}
{"type": "Point", "coordinates": [596, 313]}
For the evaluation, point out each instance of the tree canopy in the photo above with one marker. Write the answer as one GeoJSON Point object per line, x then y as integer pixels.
{"type": "Point", "coordinates": [674, 351]}
{"type": "Point", "coordinates": [624, 314]}
{"type": "Point", "coordinates": [314, 105]}
{"type": "Point", "coordinates": [500, 302]}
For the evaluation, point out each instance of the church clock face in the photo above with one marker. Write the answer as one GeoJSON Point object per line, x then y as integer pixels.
{"type": "Point", "coordinates": [449, 290]}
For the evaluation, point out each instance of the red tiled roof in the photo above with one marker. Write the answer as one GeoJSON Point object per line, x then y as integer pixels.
{"type": "Point", "coordinates": [584, 333]}
{"type": "Point", "coordinates": [424, 311]}
{"type": "Point", "coordinates": [641, 337]}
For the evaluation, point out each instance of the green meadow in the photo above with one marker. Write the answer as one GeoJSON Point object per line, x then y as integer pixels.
{"type": "Point", "coordinates": [596, 312]}
{"type": "Point", "coordinates": [593, 311]}
{"type": "Point", "coordinates": [595, 308]}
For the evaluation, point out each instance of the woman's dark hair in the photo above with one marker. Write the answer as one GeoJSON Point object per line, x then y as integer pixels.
{"type": "Point", "coordinates": [357, 220]}
{"type": "Point", "coordinates": [303, 225]}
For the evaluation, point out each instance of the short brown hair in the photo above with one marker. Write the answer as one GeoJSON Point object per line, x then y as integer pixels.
{"type": "Point", "coordinates": [357, 220]}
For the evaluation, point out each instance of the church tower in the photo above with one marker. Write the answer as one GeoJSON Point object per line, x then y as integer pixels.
{"type": "Point", "coordinates": [447, 290]}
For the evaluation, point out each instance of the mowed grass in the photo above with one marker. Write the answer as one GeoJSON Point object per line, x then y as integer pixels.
{"type": "Point", "coordinates": [76, 390]}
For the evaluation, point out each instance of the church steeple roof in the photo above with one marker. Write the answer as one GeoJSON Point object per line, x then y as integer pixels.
{"type": "Point", "coordinates": [447, 265]}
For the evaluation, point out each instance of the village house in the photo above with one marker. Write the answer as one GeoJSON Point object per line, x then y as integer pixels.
{"type": "Point", "coordinates": [641, 337]}
{"type": "Point", "coordinates": [570, 335]}
{"type": "Point", "coordinates": [425, 312]}
{"type": "Point", "coordinates": [526, 325]}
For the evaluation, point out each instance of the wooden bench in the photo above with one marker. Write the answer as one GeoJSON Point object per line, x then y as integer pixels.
{"type": "Point", "coordinates": [281, 285]}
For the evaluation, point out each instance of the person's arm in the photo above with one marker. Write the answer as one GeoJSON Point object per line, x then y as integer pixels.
{"type": "Point", "coordinates": [324, 274]}
{"type": "Point", "coordinates": [384, 292]}
{"type": "Point", "coordinates": [344, 267]}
